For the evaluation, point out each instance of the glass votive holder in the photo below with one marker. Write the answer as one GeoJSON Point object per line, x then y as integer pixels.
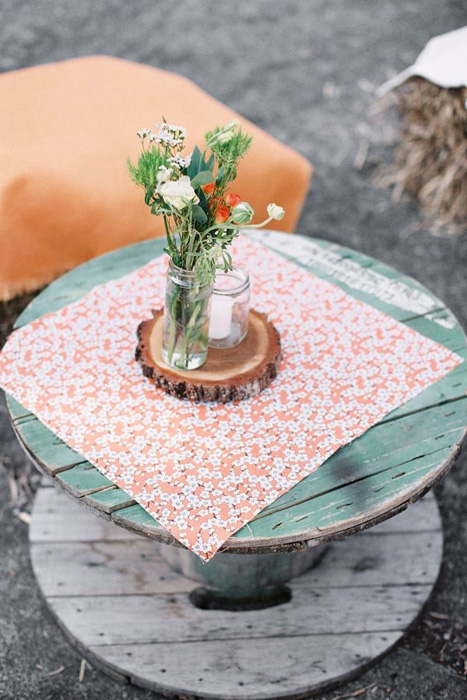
{"type": "Point", "coordinates": [230, 306]}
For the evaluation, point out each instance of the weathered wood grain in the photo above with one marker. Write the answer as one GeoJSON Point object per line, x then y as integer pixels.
{"type": "Point", "coordinates": [110, 499]}
{"type": "Point", "coordinates": [50, 521]}
{"type": "Point", "coordinates": [92, 529]}
{"type": "Point", "coordinates": [364, 482]}
{"type": "Point", "coordinates": [163, 618]}
{"type": "Point", "coordinates": [107, 569]}
{"type": "Point", "coordinates": [370, 561]}
{"type": "Point", "coordinates": [83, 479]}
{"type": "Point", "coordinates": [130, 614]}
{"type": "Point", "coordinates": [52, 454]}
{"type": "Point", "coordinates": [206, 669]}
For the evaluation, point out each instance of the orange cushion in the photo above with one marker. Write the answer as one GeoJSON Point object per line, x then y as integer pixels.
{"type": "Point", "coordinates": [65, 133]}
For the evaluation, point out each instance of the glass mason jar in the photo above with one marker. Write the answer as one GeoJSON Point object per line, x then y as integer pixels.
{"type": "Point", "coordinates": [186, 319]}
{"type": "Point", "coordinates": [230, 307]}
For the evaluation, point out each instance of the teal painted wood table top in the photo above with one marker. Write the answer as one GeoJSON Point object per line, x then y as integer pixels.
{"type": "Point", "coordinates": [365, 482]}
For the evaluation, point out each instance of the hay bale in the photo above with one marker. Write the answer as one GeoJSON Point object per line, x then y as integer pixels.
{"type": "Point", "coordinates": [431, 161]}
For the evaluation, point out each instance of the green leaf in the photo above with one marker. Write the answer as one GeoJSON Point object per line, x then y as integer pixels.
{"type": "Point", "coordinates": [198, 214]}
{"type": "Point", "coordinates": [220, 175]}
{"type": "Point", "coordinates": [202, 178]}
{"type": "Point", "coordinates": [211, 162]}
{"type": "Point", "coordinates": [193, 168]}
{"type": "Point", "coordinates": [203, 202]}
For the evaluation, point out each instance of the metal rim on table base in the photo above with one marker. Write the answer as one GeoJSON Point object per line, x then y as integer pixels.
{"type": "Point", "coordinates": [137, 619]}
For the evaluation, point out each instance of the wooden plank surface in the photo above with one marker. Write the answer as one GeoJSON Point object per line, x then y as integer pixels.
{"type": "Point", "coordinates": [372, 477]}
{"type": "Point", "coordinates": [130, 614]}
{"type": "Point", "coordinates": [107, 571]}
{"type": "Point", "coordinates": [163, 617]}
{"type": "Point", "coordinates": [50, 521]}
{"type": "Point", "coordinates": [200, 668]}
{"type": "Point", "coordinates": [69, 537]}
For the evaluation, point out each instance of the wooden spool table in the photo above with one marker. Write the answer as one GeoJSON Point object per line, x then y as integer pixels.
{"type": "Point", "coordinates": [246, 625]}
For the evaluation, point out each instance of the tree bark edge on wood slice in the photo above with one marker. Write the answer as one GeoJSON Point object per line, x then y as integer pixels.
{"type": "Point", "coordinates": [229, 374]}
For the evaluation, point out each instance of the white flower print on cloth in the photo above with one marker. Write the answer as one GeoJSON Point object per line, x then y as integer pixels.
{"type": "Point", "coordinates": [204, 470]}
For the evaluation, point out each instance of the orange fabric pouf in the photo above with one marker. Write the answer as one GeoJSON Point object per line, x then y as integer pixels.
{"type": "Point", "coordinates": [65, 134]}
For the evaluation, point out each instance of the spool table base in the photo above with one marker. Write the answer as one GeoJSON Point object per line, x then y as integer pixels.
{"type": "Point", "coordinates": [132, 615]}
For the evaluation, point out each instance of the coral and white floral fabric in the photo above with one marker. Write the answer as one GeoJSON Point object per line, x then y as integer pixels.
{"type": "Point", "coordinates": [204, 470]}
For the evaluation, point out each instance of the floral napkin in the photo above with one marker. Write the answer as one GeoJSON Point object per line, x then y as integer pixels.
{"type": "Point", "coordinates": [204, 470]}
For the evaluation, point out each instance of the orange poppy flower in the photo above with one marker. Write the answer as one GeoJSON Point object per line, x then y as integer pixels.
{"type": "Point", "coordinates": [222, 214]}
{"type": "Point", "coordinates": [233, 199]}
{"type": "Point", "coordinates": [209, 188]}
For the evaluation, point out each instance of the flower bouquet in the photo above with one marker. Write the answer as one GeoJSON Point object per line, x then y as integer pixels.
{"type": "Point", "coordinates": [201, 217]}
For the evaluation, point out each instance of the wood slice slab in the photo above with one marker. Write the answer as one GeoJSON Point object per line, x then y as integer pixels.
{"type": "Point", "coordinates": [229, 374]}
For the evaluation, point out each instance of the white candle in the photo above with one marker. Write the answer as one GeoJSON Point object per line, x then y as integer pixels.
{"type": "Point", "coordinates": [221, 317]}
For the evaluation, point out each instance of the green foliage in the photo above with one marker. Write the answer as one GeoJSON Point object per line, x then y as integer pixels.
{"type": "Point", "coordinates": [197, 238]}
{"type": "Point", "coordinates": [204, 177]}
{"type": "Point", "coordinates": [229, 154]}
{"type": "Point", "coordinates": [144, 173]}
{"type": "Point", "coordinates": [199, 216]}
{"type": "Point", "coordinates": [194, 167]}
{"type": "Point", "coordinates": [220, 175]}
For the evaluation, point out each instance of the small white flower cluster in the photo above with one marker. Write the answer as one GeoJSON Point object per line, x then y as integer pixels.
{"type": "Point", "coordinates": [166, 139]}
{"type": "Point", "coordinates": [167, 134]}
{"type": "Point", "coordinates": [144, 133]}
{"type": "Point", "coordinates": [180, 162]}
{"type": "Point", "coordinates": [170, 134]}
{"type": "Point", "coordinates": [179, 131]}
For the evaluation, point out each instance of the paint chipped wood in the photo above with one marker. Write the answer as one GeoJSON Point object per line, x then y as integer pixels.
{"type": "Point", "coordinates": [373, 478]}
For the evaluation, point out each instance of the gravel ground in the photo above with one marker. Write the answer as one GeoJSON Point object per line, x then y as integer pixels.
{"type": "Point", "coordinates": [304, 70]}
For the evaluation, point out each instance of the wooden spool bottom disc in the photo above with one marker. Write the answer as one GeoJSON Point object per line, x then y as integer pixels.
{"type": "Point", "coordinates": [227, 375]}
{"type": "Point", "coordinates": [132, 616]}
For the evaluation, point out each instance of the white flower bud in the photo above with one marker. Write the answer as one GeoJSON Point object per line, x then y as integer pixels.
{"type": "Point", "coordinates": [275, 212]}
{"type": "Point", "coordinates": [231, 126]}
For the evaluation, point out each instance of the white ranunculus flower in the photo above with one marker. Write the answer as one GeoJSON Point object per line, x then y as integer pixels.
{"type": "Point", "coordinates": [163, 174]}
{"type": "Point", "coordinates": [178, 193]}
{"type": "Point", "coordinates": [275, 212]}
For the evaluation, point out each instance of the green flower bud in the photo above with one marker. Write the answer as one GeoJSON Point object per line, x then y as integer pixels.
{"type": "Point", "coordinates": [243, 213]}
{"type": "Point", "coordinates": [225, 134]}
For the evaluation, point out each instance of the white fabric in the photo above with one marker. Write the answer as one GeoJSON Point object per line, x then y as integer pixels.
{"type": "Point", "coordinates": [443, 62]}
